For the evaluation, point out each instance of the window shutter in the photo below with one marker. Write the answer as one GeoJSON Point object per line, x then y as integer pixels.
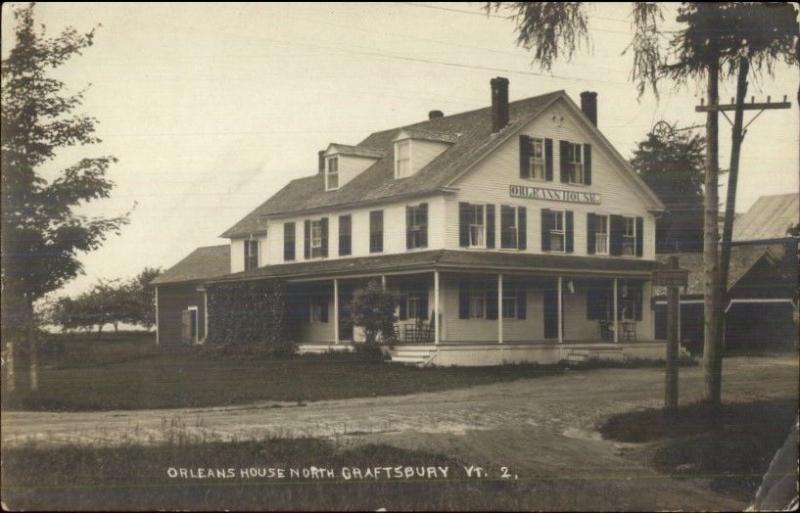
{"type": "Point", "coordinates": [306, 239]}
{"type": "Point", "coordinates": [423, 306]}
{"type": "Point", "coordinates": [403, 307]}
{"type": "Point", "coordinates": [524, 156]}
{"type": "Point", "coordinates": [324, 229]}
{"type": "Point", "coordinates": [506, 221]}
{"type": "Point", "coordinates": [288, 241]}
{"type": "Point", "coordinates": [639, 236]}
{"type": "Point", "coordinates": [408, 227]}
{"type": "Point", "coordinates": [489, 226]}
{"type": "Point", "coordinates": [463, 301]}
{"type": "Point", "coordinates": [423, 220]}
{"type": "Point", "coordinates": [564, 150]}
{"type": "Point", "coordinates": [587, 164]}
{"type": "Point", "coordinates": [324, 309]}
{"type": "Point", "coordinates": [463, 224]}
{"type": "Point", "coordinates": [522, 228]}
{"type": "Point", "coordinates": [547, 225]}
{"type": "Point", "coordinates": [569, 244]}
{"type": "Point", "coordinates": [522, 302]}
{"type": "Point", "coordinates": [590, 234]}
{"type": "Point", "coordinates": [246, 254]}
{"type": "Point", "coordinates": [491, 303]}
{"type": "Point", "coordinates": [616, 228]}
{"type": "Point", "coordinates": [638, 296]}
{"type": "Point", "coordinates": [548, 159]}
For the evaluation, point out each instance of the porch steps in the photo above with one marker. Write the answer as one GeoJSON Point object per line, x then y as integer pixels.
{"type": "Point", "coordinates": [582, 355]}
{"type": "Point", "coordinates": [413, 355]}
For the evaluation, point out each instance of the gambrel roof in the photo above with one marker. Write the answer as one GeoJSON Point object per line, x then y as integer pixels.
{"type": "Point", "coordinates": [471, 139]}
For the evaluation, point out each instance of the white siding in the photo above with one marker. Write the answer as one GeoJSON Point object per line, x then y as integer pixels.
{"type": "Point", "coordinates": [350, 166]}
{"type": "Point", "coordinates": [394, 228]}
{"type": "Point", "coordinates": [489, 183]}
{"type": "Point", "coordinates": [421, 152]}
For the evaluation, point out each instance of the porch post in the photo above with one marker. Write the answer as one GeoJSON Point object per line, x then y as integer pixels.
{"type": "Point", "coordinates": [500, 308]}
{"type": "Point", "coordinates": [158, 341]}
{"type": "Point", "coordinates": [336, 311]}
{"type": "Point", "coordinates": [383, 282]}
{"type": "Point", "coordinates": [205, 314]}
{"type": "Point", "coordinates": [436, 320]}
{"type": "Point", "coordinates": [560, 309]}
{"type": "Point", "coordinates": [616, 315]}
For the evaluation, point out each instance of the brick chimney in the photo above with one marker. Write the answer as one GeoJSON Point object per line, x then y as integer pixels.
{"type": "Point", "coordinates": [321, 158]}
{"type": "Point", "coordinates": [499, 103]}
{"type": "Point", "coordinates": [589, 105]}
{"type": "Point", "coordinates": [435, 114]}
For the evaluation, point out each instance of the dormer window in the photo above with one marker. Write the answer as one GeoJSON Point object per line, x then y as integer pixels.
{"type": "Point", "coordinates": [402, 159]}
{"type": "Point", "coordinates": [332, 174]}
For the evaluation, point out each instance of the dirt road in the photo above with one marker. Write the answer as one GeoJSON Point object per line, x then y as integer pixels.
{"type": "Point", "coordinates": [542, 429]}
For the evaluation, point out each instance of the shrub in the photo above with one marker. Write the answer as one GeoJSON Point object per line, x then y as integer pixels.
{"type": "Point", "coordinates": [373, 310]}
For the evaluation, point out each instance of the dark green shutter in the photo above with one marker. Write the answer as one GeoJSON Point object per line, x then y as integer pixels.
{"type": "Point", "coordinates": [616, 229]}
{"type": "Point", "coordinates": [639, 236]}
{"type": "Point", "coordinates": [491, 302]}
{"type": "Point", "coordinates": [409, 237]}
{"type": "Point", "coordinates": [569, 229]}
{"type": "Point", "coordinates": [423, 306]}
{"type": "Point", "coordinates": [463, 300]}
{"type": "Point", "coordinates": [522, 228]}
{"type": "Point", "coordinates": [524, 156]}
{"type": "Point", "coordinates": [307, 239]}
{"type": "Point", "coordinates": [564, 148]}
{"type": "Point", "coordinates": [506, 222]}
{"type": "Point", "coordinates": [591, 235]}
{"type": "Point", "coordinates": [489, 226]}
{"type": "Point", "coordinates": [547, 225]}
{"type": "Point", "coordinates": [323, 309]}
{"type": "Point", "coordinates": [464, 211]}
{"type": "Point", "coordinates": [423, 221]}
{"type": "Point", "coordinates": [324, 231]}
{"type": "Point", "coordinates": [522, 302]}
{"type": "Point", "coordinates": [638, 295]}
{"type": "Point", "coordinates": [548, 159]}
{"type": "Point", "coordinates": [587, 164]}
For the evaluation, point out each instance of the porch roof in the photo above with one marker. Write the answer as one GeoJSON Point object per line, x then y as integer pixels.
{"type": "Point", "coordinates": [450, 260]}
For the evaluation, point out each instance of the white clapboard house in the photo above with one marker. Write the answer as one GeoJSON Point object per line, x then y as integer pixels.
{"type": "Point", "coordinates": [512, 233]}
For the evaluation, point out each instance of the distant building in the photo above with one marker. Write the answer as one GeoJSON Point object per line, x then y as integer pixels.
{"type": "Point", "coordinates": [762, 281]}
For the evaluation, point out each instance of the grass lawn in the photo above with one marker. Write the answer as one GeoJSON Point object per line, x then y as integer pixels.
{"type": "Point", "coordinates": [137, 478]}
{"type": "Point", "coordinates": [732, 449]}
{"type": "Point", "coordinates": [126, 371]}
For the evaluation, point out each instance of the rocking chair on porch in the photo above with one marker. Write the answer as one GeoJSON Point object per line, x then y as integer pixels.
{"type": "Point", "coordinates": [606, 330]}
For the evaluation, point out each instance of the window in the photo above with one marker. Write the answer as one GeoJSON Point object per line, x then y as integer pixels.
{"type": "Point", "coordinates": [345, 235]}
{"type": "Point", "coordinates": [512, 227]}
{"type": "Point", "coordinates": [477, 228]}
{"type": "Point", "coordinates": [557, 231]}
{"type": "Point", "coordinates": [574, 163]}
{"type": "Point", "coordinates": [376, 231]}
{"type": "Point", "coordinates": [288, 241]}
{"type": "Point", "coordinates": [510, 302]}
{"type": "Point", "coordinates": [316, 238]}
{"type": "Point", "coordinates": [417, 226]}
{"type": "Point", "coordinates": [600, 234]}
{"type": "Point", "coordinates": [417, 305]}
{"type": "Point", "coordinates": [332, 175]}
{"type": "Point", "coordinates": [319, 309]}
{"type": "Point", "coordinates": [629, 236]}
{"type": "Point", "coordinates": [536, 159]}
{"type": "Point", "coordinates": [402, 161]}
{"type": "Point", "coordinates": [250, 254]}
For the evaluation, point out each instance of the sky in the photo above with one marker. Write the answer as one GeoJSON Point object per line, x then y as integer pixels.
{"type": "Point", "coordinates": [212, 108]}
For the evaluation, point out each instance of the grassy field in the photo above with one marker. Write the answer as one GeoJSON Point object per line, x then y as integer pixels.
{"type": "Point", "coordinates": [732, 449]}
{"type": "Point", "coordinates": [127, 371]}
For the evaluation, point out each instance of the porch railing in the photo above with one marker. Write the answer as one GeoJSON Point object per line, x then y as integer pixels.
{"type": "Point", "coordinates": [413, 333]}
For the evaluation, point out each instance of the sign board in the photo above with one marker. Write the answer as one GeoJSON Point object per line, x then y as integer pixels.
{"type": "Point", "coordinates": [671, 278]}
{"type": "Point", "coordinates": [544, 193]}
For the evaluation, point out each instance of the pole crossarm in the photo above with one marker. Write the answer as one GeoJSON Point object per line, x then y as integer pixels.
{"type": "Point", "coordinates": [746, 106]}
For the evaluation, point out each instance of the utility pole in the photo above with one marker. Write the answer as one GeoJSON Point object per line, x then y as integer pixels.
{"type": "Point", "coordinates": [716, 270]}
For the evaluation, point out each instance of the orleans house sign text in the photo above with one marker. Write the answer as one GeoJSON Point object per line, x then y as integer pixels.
{"type": "Point", "coordinates": [542, 193]}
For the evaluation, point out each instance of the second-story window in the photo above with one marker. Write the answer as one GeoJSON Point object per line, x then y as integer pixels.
{"type": "Point", "coordinates": [288, 242]}
{"type": "Point", "coordinates": [332, 174]}
{"type": "Point", "coordinates": [417, 226]}
{"type": "Point", "coordinates": [557, 233]}
{"type": "Point", "coordinates": [316, 239]}
{"type": "Point", "coordinates": [376, 231]}
{"type": "Point", "coordinates": [513, 227]}
{"type": "Point", "coordinates": [477, 227]}
{"type": "Point", "coordinates": [557, 230]}
{"type": "Point", "coordinates": [597, 235]}
{"type": "Point", "coordinates": [629, 237]}
{"type": "Point", "coordinates": [315, 243]}
{"type": "Point", "coordinates": [345, 235]}
{"type": "Point", "coordinates": [402, 159]}
{"type": "Point", "coordinates": [250, 254]}
{"type": "Point", "coordinates": [574, 160]}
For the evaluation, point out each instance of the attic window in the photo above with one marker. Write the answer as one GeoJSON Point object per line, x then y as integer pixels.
{"type": "Point", "coordinates": [402, 159]}
{"type": "Point", "coordinates": [332, 174]}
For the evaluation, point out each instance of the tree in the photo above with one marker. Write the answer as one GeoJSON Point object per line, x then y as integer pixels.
{"type": "Point", "coordinates": [42, 233]}
{"type": "Point", "coordinates": [671, 164]}
{"type": "Point", "coordinates": [708, 44]}
{"type": "Point", "coordinates": [373, 310]}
